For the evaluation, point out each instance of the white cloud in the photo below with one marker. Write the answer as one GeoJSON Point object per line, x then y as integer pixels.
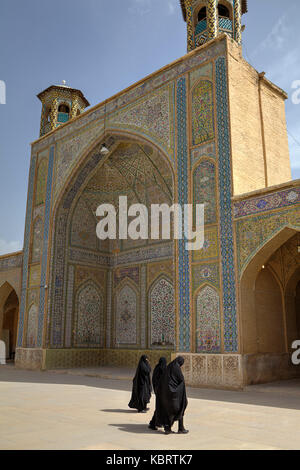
{"type": "Point", "coordinates": [140, 7]}
{"type": "Point", "coordinates": [9, 247]}
{"type": "Point", "coordinates": [294, 145]}
{"type": "Point", "coordinates": [285, 71]}
{"type": "Point", "coordinates": [277, 36]}
{"type": "Point", "coordinates": [171, 6]}
{"type": "Point", "coordinates": [143, 7]}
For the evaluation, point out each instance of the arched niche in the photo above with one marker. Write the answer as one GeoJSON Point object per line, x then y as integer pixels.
{"type": "Point", "coordinates": [126, 301]}
{"type": "Point", "coordinates": [161, 301]}
{"type": "Point", "coordinates": [89, 317]}
{"type": "Point", "coordinates": [9, 316]}
{"type": "Point", "coordinates": [251, 329]}
{"type": "Point", "coordinates": [207, 320]}
{"type": "Point", "coordinates": [135, 168]}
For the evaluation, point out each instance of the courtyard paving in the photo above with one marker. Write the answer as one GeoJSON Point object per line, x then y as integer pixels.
{"type": "Point", "coordinates": [87, 409]}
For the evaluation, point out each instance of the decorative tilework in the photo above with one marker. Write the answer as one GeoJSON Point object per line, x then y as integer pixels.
{"type": "Point", "coordinates": [83, 228]}
{"type": "Point", "coordinates": [37, 243]}
{"type": "Point", "coordinates": [212, 14]}
{"type": "Point", "coordinates": [201, 26]}
{"type": "Point", "coordinates": [201, 39]}
{"type": "Point", "coordinates": [204, 190]}
{"type": "Point", "coordinates": [69, 151]}
{"type": "Point", "coordinates": [58, 274]}
{"type": "Point", "coordinates": [205, 150]}
{"type": "Point", "coordinates": [32, 326]}
{"type": "Point", "coordinates": [108, 308]}
{"type": "Point", "coordinates": [238, 21]}
{"type": "Point", "coordinates": [45, 247]}
{"type": "Point", "coordinates": [89, 326]}
{"type": "Point", "coordinates": [153, 115]}
{"type": "Point", "coordinates": [34, 275]}
{"type": "Point", "coordinates": [204, 71]}
{"type": "Point", "coordinates": [202, 112]}
{"type": "Point", "coordinates": [268, 202]}
{"type": "Point", "coordinates": [95, 117]}
{"type": "Point", "coordinates": [210, 248]}
{"type": "Point", "coordinates": [205, 273]}
{"type": "Point", "coordinates": [132, 273]}
{"type": "Point", "coordinates": [162, 314]}
{"type": "Point", "coordinates": [189, 15]}
{"type": "Point", "coordinates": [41, 182]}
{"type": "Point", "coordinates": [143, 326]}
{"type": "Point", "coordinates": [26, 250]}
{"type": "Point", "coordinates": [215, 369]}
{"type": "Point", "coordinates": [226, 218]}
{"type": "Point", "coordinates": [89, 257]}
{"type": "Point", "coordinates": [159, 268]}
{"type": "Point", "coordinates": [85, 273]}
{"type": "Point", "coordinates": [254, 231]}
{"type": "Point", "coordinates": [183, 255]}
{"type": "Point", "coordinates": [70, 307]}
{"type": "Point", "coordinates": [11, 262]}
{"type": "Point", "coordinates": [225, 24]}
{"type": "Point", "coordinates": [208, 326]}
{"type": "Point", "coordinates": [126, 316]}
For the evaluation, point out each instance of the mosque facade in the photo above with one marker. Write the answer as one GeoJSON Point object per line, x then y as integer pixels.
{"type": "Point", "coordinates": [207, 129]}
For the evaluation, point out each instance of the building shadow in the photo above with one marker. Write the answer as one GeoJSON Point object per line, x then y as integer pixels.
{"type": "Point", "coordinates": [284, 394]}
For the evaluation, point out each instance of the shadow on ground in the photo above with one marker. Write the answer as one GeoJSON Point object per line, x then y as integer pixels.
{"type": "Point", "coordinates": [136, 428]}
{"type": "Point", "coordinates": [285, 394]}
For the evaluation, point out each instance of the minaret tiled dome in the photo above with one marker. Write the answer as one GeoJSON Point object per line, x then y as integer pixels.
{"type": "Point", "coordinates": [206, 19]}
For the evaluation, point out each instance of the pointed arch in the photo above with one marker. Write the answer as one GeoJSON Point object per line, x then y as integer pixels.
{"type": "Point", "coordinates": [207, 319]}
{"type": "Point", "coordinates": [253, 281]}
{"type": "Point", "coordinates": [9, 316]}
{"type": "Point", "coordinates": [202, 112]}
{"type": "Point", "coordinates": [126, 301]}
{"type": "Point", "coordinates": [89, 329]}
{"type": "Point", "coordinates": [32, 324]}
{"type": "Point", "coordinates": [42, 171]}
{"type": "Point", "coordinates": [61, 250]}
{"type": "Point", "coordinates": [37, 240]}
{"type": "Point", "coordinates": [205, 188]}
{"type": "Point", "coordinates": [161, 302]}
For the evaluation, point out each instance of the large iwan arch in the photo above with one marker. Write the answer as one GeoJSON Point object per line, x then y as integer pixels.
{"type": "Point", "coordinates": [269, 303]}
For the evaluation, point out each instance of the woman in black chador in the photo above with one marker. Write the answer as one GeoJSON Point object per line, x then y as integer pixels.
{"type": "Point", "coordinates": [159, 370]}
{"type": "Point", "coordinates": [141, 390]}
{"type": "Point", "coordinates": [171, 400]}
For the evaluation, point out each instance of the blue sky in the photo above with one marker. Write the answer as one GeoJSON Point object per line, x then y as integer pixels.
{"type": "Point", "coordinates": [101, 47]}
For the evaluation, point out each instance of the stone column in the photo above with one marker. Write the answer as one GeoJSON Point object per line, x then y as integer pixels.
{"type": "Point", "coordinates": [212, 19]}
{"type": "Point", "coordinates": [238, 21]}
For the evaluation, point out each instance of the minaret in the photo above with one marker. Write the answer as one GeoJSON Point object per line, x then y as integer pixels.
{"type": "Point", "coordinates": [60, 103]}
{"type": "Point", "coordinates": [206, 19]}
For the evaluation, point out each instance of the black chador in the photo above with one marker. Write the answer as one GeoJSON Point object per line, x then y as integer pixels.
{"type": "Point", "coordinates": [158, 372]}
{"type": "Point", "coordinates": [141, 390]}
{"type": "Point", "coordinates": [171, 399]}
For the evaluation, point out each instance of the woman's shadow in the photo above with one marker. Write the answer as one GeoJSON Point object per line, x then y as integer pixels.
{"type": "Point", "coordinates": [118, 411]}
{"type": "Point", "coordinates": [136, 428]}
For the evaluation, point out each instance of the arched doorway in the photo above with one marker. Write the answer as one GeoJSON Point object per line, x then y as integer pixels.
{"type": "Point", "coordinates": [270, 314]}
{"type": "Point", "coordinates": [9, 314]}
{"type": "Point", "coordinates": [122, 269]}
{"type": "Point", "coordinates": [292, 304]}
